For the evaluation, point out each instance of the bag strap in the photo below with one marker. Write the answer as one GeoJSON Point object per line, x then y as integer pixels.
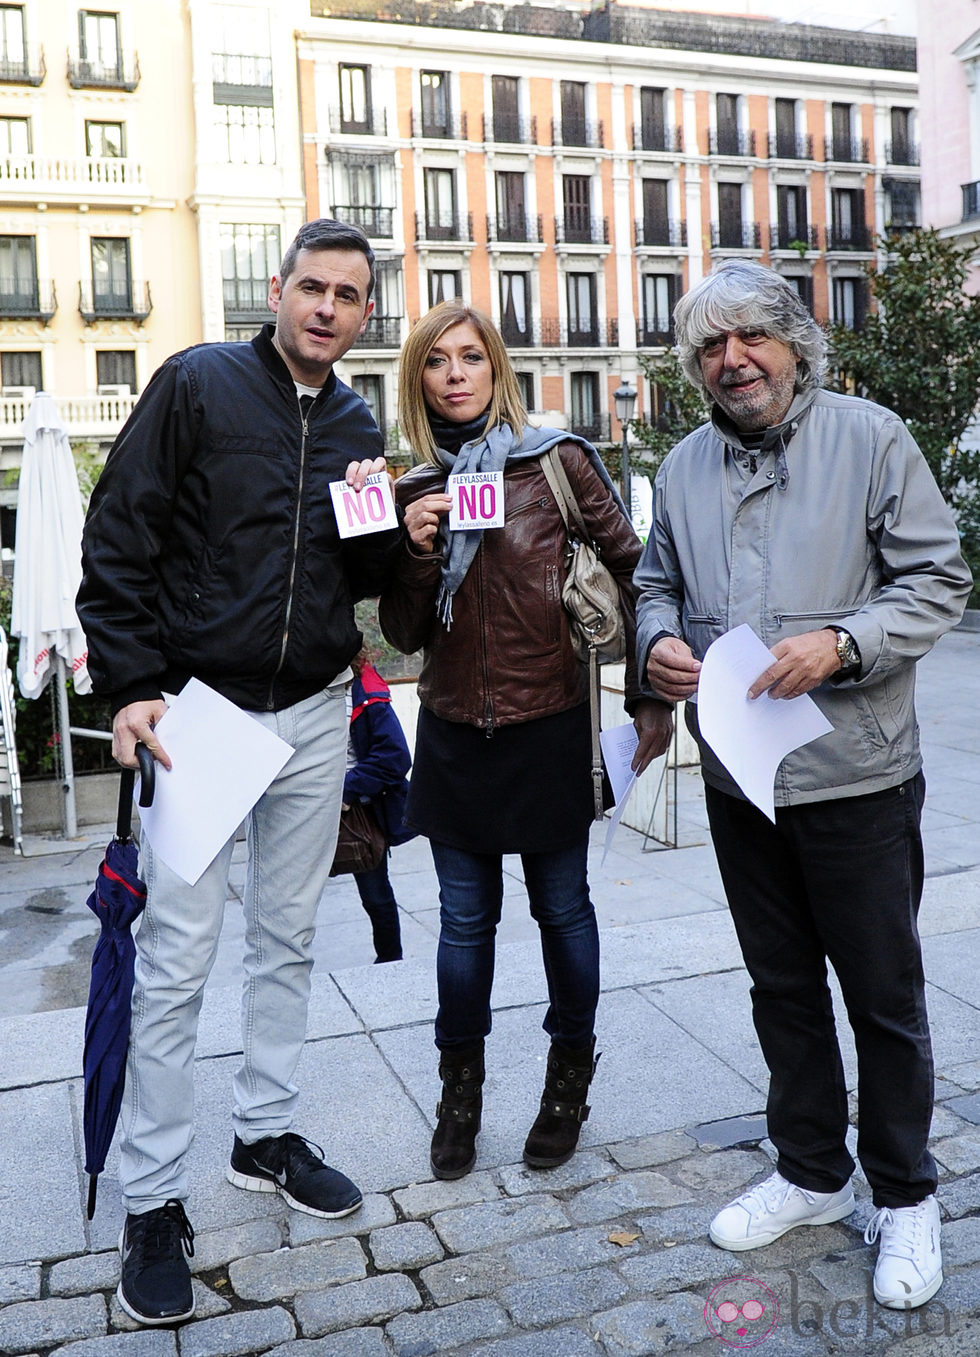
{"type": "Point", "coordinates": [554, 474]}
{"type": "Point", "coordinates": [594, 713]}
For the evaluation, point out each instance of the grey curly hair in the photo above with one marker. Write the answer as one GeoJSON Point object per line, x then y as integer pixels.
{"type": "Point", "coordinates": [741, 295]}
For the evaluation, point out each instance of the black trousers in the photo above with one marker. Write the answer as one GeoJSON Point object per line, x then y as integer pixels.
{"type": "Point", "coordinates": [839, 881]}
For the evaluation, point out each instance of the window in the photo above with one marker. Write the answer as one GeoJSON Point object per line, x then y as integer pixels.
{"type": "Point", "coordinates": [355, 99]}
{"type": "Point", "coordinates": [850, 302]}
{"type": "Point", "coordinates": [15, 136]}
{"type": "Point", "coordinates": [786, 145]}
{"type": "Point", "coordinates": [105, 140]}
{"type": "Point", "coordinates": [249, 258]}
{"type": "Point", "coordinates": [98, 43]}
{"type": "Point", "coordinates": [246, 134]}
{"type": "Point", "coordinates": [444, 285]}
{"type": "Point", "coordinates": [506, 109]}
{"type": "Point", "coordinates": [18, 274]}
{"type": "Point", "coordinates": [511, 208]}
{"type": "Point", "coordinates": [903, 205]}
{"type": "Point", "coordinates": [802, 285]}
{"type": "Point", "coordinates": [585, 403]}
{"type": "Point", "coordinates": [242, 56]}
{"type": "Point", "coordinates": [653, 131]}
{"type": "Point", "coordinates": [731, 235]}
{"type": "Point", "coordinates": [21, 369]}
{"type": "Point", "coordinates": [582, 324]}
{"type": "Point", "coordinates": [726, 112]}
{"type": "Point", "coordinates": [525, 381]}
{"type": "Point", "coordinates": [791, 216]}
{"type": "Point", "coordinates": [656, 228]}
{"type": "Point", "coordinates": [436, 115]}
{"type": "Point", "coordinates": [515, 308]}
{"type": "Point", "coordinates": [658, 304]}
{"type": "Point", "coordinates": [116, 367]}
{"type": "Point", "coordinates": [574, 131]}
{"type": "Point", "coordinates": [848, 231]}
{"type": "Point", "coordinates": [841, 132]}
{"type": "Point", "coordinates": [902, 150]}
{"type": "Point", "coordinates": [13, 51]}
{"type": "Point", "coordinates": [112, 283]}
{"type": "Point", "coordinates": [370, 387]}
{"type": "Point", "coordinates": [577, 205]}
{"type": "Point", "coordinates": [440, 204]}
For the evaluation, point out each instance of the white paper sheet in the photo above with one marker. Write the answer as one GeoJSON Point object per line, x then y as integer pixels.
{"type": "Point", "coordinates": [751, 736]}
{"type": "Point", "coordinates": [618, 745]}
{"type": "Point", "coordinates": [223, 761]}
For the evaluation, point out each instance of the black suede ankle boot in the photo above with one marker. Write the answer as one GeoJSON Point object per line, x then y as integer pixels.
{"type": "Point", "coordinates": [453, 1151]}
{"type": "Point", "coordinates": [553, 1137]}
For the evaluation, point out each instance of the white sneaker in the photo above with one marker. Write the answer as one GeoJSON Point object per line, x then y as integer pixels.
{"type": "Point", "coordinates": [909, 1270]}
{"type": "Point", "coordinates": [771, 1208]}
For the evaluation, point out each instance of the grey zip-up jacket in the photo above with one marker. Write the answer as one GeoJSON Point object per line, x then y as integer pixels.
{"type": "Point", "coordinates": [836, 521]}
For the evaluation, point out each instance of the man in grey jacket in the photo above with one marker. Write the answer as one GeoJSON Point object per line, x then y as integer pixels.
{"type": "Point", "coordinates": [813, 517]}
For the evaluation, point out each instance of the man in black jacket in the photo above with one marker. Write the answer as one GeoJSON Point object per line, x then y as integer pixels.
{"type": "Point", "coordinates": [211, 551]}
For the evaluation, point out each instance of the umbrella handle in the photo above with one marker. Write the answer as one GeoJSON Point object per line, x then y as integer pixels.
{"type": "Point", "coordinates": [127, 781]}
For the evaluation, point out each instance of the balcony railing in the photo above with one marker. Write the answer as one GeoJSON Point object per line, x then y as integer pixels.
{"type": "Point", "coordinates": [796, 147]}
{"type": "Point", "coordinates": [783, 238]}
{"type": "Point", "coordinates": [652, 335]}
{"type": "Point", "coordinates": [901, 153]}
{"type": "Point", "coordinates": [853, 237]}
{"type": "Point", "coordinates": [381, 332]}
{"type": "Point", "coordinates": [661, 233]}
{"type": "Point", "coordinates": [847, 151]}
{"type": "Point", "coordinates": [27, 299]}
{"type": "Point", "coordinates": [655, 137]}
{"type": "Point", "coordinates": [971, 200]}
{"type": "Point", "coordinates": [577, 229]}
{"type": "Point", "coordinates": [585, 334]}
{"type": "Point", "coordinates": [374, 124]}
{"type": "Point", "coordinates": [83, 416]}
{"type": "Point", "coordinates": [594, 427]}
{"type": "Point", "coordinates": [246, 301]}
{"type": "Point", "coordinates": [29, 70]}
{"type": "Point", "coordinates": [512, 128]}
{"type": "Point", "coordinates": [124, 303]}
{"type": "Point", "coordinates": [731, 141]}
{"type": "Point", "coordinates": [377, 222]}
{"type": "Point", "coordinates": [105, 176]}
{"type": "Point", "coordinates": [746, 235]}
{"type": "Point", "coordinates": [518, 336]}
{"type": "Point", "coordinates": [238, 70]}
{"type": "Point", "coordinates": [122, 74]}
{"type": "Point", "coordinates": [576, 132]}
{"type": "Point", "coordinates": [515, 227]}
{"type": "Point", "coordinates": [454, 128]}
{"type": "Point", "coordinates": [444, 226]}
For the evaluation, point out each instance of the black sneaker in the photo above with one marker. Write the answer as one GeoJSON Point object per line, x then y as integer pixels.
{"type": "Point", "coordinates": [155, 1286]}
{"type": "Point", "coordinates": [286, 1164]}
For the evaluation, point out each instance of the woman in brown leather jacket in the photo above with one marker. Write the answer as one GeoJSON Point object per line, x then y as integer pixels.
{"type": "Point", "coordinates": [503, 750]}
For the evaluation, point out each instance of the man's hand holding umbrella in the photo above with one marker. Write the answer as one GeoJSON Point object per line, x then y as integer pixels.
{"type": "Point", "coordinates": [135, 724]}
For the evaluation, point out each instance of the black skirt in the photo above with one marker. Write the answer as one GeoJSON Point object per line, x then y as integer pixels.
{"type": "Point", "coordinates": [525, 789]}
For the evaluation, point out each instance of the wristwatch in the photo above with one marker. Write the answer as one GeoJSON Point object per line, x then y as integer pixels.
{"type": "Point", "coordinates": [847, 653]}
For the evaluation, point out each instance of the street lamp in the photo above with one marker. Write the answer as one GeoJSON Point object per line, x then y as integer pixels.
{"type": "Point", "coordinates": [625, 399]}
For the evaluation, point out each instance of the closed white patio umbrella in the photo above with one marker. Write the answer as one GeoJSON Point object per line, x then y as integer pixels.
{"type": "Point", "coordinates": [47, 573]}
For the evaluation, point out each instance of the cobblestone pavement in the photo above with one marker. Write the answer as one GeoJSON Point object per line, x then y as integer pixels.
{"type": "Point", "coordinates": [606, 1256]}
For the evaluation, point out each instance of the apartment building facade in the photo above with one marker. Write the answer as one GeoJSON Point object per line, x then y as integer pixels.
{"type": "Point", "coordinates": [572, 172]}
{"type": "Point", "coordinates": [949, 47]}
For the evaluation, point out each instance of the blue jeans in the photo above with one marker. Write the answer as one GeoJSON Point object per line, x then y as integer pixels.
{"type": "Point", "coordinates": [291, 832]}
{"type": "Point", "coordinates": [379, 903]}
{"type": "Point", "coordinates": [471, 896]}
{"type": "Point", "coordinates": [840, 881]}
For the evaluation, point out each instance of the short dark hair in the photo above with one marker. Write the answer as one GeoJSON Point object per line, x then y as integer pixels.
{"type": "Point", "coordinates": [326, 233]}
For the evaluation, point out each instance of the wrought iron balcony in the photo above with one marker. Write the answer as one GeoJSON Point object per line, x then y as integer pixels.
{"type": "Point", "coordinates": [376, 222]}
{"type": "Point", "coordinates": [512, 128]}
{"type": "Point", "coordinates": [246, 301]}
{"type": "Point", "coordinates": [576, 132]}
{"type": "Point", "coordinates": [971, 200]}
{"type": "Point", "coordinates": [27, 299]}
{"type": "Point", "coordinates": [381, 332]}
{"type": "Point", "coordinates": [520, 336]}
{"type": "Point", "coordinates": [901, 153]}
{"type": "Point", "coordinates": [122, 74]}
{"type": "Point", "coordinates": [373, 124]}
{"type": "Point", "coordinates": [453, 128]}
{"type": "Point", "coordinates": [515, 227]}
{"type": "Point", "coordinates": [738, 235]}
{"type": "Point", "coordinates": [29, 70]}
{"type": "Point", "coordinates": [794, 147]}
{"type": "Point", "coordinates": [846, 150]}
{"type": "Point", "coordinates": [781, 237]}
{"type": "Point", "coordinates": [661, 233]}
{"type": "Point", "coordinates": [652, 335]}
{"type": "Point", "coordinates": [444, 226]}
{"type": "Point", "coordinates": [130, 302]}
{"type": "Point", "coordinates": [656, 137]}
{"type": "Point", "coordinates": [594, 427]}
{"type": "Point", "coordinates": [731, 141]}
{"type": "Point", "coordinates": [585, 334]}
{"type": "Point", "coordinates": [855, 236]}
{"type": "Point", "coordinates": [575, 228]}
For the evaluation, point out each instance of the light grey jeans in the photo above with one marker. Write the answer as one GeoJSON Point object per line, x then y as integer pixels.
{"type": "Point", "coordinates": [291, 833]}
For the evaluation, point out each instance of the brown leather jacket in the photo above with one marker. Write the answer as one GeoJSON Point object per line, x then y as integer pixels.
{"type": "Point", "coordinates": [508, 656]}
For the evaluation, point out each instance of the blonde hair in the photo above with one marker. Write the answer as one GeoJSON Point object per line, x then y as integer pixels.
{"type": "Point", "coordinates": [506, 405]}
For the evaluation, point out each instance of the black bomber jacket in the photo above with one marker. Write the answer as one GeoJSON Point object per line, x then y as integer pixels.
{"type": "Point", "coordinates": [211, 549]}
